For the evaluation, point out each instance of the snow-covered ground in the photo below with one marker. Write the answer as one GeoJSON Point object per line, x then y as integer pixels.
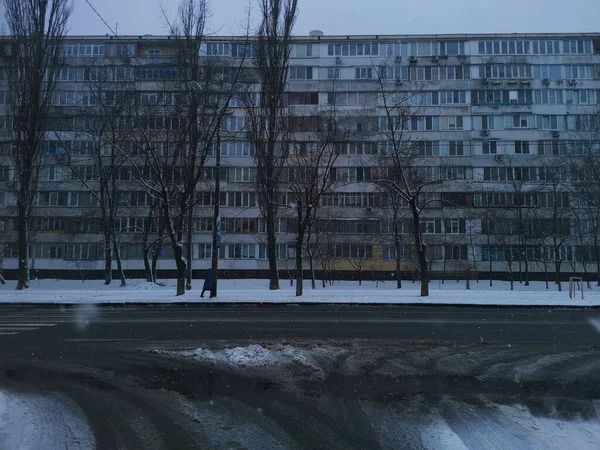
{"type": "Point", "coordinates": [29, 422]}
{"type": "Point", "coordinates": [252, 290]}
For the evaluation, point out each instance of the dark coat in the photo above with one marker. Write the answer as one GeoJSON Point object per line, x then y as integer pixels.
{"type": "Point", "coordinates": [207, 280]}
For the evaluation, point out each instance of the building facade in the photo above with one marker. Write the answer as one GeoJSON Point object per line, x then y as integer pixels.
{"type": "Point", "coordinates": [497, 117]}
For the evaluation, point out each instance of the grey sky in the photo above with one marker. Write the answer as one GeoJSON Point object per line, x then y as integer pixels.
{"type": "Point", "coordinates": [359, 17]}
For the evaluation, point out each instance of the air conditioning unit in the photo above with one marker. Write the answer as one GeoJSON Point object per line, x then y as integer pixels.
{"type": "Point", "coordinates": [398, 82]}
{"type": "Point", "coordinates": [412, 59]}
{"type": "Point", "coordinates": [559, 81]}
{"type": "Point", "coordinates": [398, 59]}
{"type": "Point", "coordinates": [485, 132]}
{"type": "Point", "coordinates": [556, 134]}
{"type": "Point", "coordinates": [546, 81]}
{"type": "Point", "coordinates": [484, 81]}
{"type": "Point", "coordinates": [435, 59]}
{"type": "Point", "coordinates": [338, 60]}
{"type": "Point", "coordinates": [496, 82]}
{"type": "Point", "coordinates": [369, 211]}
{"type": "Point", "coordinates": [525, 82]}
{"type": "Point", "coordinates": [573, 82]}
{"type": "Point", "coordinates": [498, 158]}
{"type": "Point", "coordinates": [512, 82]}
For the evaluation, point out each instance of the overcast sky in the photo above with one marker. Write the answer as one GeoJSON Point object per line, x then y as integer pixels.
{"type": "Point", "coordinates": [358, 17]}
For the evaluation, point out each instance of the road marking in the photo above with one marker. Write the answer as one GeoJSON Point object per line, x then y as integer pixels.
{"type": "Point", "coordinates": [10, 329]}
{"type": "Point", "coordinates": [102, 340]}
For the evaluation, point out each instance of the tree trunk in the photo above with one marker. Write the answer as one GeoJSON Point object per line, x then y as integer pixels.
{"type": "Point", "coordinates": [147, 267]}
{"type": "Point", "coordinates": [299, 271]}
{"type": "Point", "coordinates": [597, 251]}
{"type": "Point", "coordinates": [526, 269]}
{"type": "Point", "coordinates": [107, 257]}
{"type": "Point", "coordinates": [189, 245]}
{"type": "Point", "coordinates": [155, 256]}
{"type": "Point", "coordinates": [398, 270]}
{"type": "Point", "coordinates": [272, 248]}
{"type": "Point", "coordinates": [557, 265]}
{"type": "Point", "coordinates": [421, 249]}
{"type": "Point", "coordinates": [181, 266]}
{"type": "Point", "coordinates": [22, 243]}
{"type": "Point", "coordinates": [313, 281]}
{"type": "Point", "coordinates": [119, 262]}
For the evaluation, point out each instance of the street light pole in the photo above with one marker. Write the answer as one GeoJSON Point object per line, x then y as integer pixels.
{"type": "Point", "coordinates": [216, 222]}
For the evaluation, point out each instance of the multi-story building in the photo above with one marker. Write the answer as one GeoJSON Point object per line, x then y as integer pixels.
{"type": "Point", "coordinates": [497, 114]}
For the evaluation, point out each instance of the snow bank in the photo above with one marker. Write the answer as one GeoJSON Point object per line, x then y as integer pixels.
{"type": "Point", "coordinates": [253, 290]}
{"type": "Point", "coordinates": [254, 355]}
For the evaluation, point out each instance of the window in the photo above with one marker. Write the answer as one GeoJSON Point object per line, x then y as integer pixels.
{"type": "Point", "coordinates": [450, 123]}
{"type": "Point", "coordinates": [302, 98]}
{"type": "Point", "coordinates": [488, 122]}
{"type": "Point", "coordinates": [489, 147]}
{"type": "Point", "coordinates": [303, 50]}
{"type": "Point", "coordinates": [244, 50]}
{"type": "Point", "coordinates": [84, 49]}
{"type": "Point", "coordinates": [353, 49]}
{"type": "Point", "coordinates": [241, 251]}
{"type": "Point", "coordinates": [579, 72]}
{"type": "Point", "coordinates": [454, 73]}
{"type": "Point", "coordinates": [551, 72]}
{"type": "Point", "coordinates": [241, 199]}
{"type": "Point", "coordinates": [451, 48]}
{"type": "Point", "coordinates": [236, 123]}
{"type": "Point", "coordinates": [78, 251]}
{"type": "Point", "coordinates": [218, 49]}
{"type": "Point", "coordinates": [333, 73]}
{"type": "Point", "coordinates": [577, 46]}
{"type": "Point", "coordinates": [550, 122]}
{"type": "Point", "coordinates": [549, 97]}
{"type": "Point", "coordinates": [241, 174]}
{"type": "Point", "coordinates": [554, 147]}
{"type": "Point", "coordinates": [364, 72]}
{"type": "Point", "coordinates": [455, 252]}
{"type": "Point", "coordinates": [153, 54]}
{"type": "Point", "coordinates": [348, 251]}
{"type": "Point", "coordinates": [522, 147]}
{"type": "Point", "coordinates": [301, 73]}
{"type": "Point", "coordinates": [519, 121]}
{"type": "Point", "coordinates": [452, 97]}
{"type": "Point", "coordinates": [431, 226]}
{"type": "Point", "coordinates": [46, 251]}
{"type": "Point", "coordinates": [455, 226]}
{"type": "Point", "coordinates": [237, 148]}
{"type": "Point", "coordinates": [582, 97]}
{"type": "Point", "coordinates": [458, 148]}
{"type": "Point", "coordinates": [121, 50]}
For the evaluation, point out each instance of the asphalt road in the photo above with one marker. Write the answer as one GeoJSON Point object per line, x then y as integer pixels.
{"type": "Point", "coordinates": [347, 371]}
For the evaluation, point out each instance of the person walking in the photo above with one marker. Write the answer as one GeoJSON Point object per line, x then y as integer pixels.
{"type": "Point", "coordinates": [207, 282]}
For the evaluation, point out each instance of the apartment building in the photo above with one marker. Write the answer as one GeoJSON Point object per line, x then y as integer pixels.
{"type": "Point", "coordinates": [497, 114]}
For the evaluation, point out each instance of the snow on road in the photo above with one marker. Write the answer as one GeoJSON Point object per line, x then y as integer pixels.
{"type": "Point", "coordinates": [32, 422]}
{"type": "Point", "coordinates": [252, 290]}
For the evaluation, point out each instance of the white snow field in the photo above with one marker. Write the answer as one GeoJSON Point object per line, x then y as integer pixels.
{"type": "Point", "coordinates": [256, 291]}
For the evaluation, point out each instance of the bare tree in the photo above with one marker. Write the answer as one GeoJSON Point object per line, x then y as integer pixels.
{"type": "Point", "coordinates": [267, 125]}
{"type": "Point", "coordinates": [309, 177]}
{"type": "Point", "coordinates": [400, 174]}
{"type": "Point", "coordinates": [37, 28]}
{"type": "Point", "coordinates": [102, 167]}
{"type": "Point", "coordinates": [179, 131]}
